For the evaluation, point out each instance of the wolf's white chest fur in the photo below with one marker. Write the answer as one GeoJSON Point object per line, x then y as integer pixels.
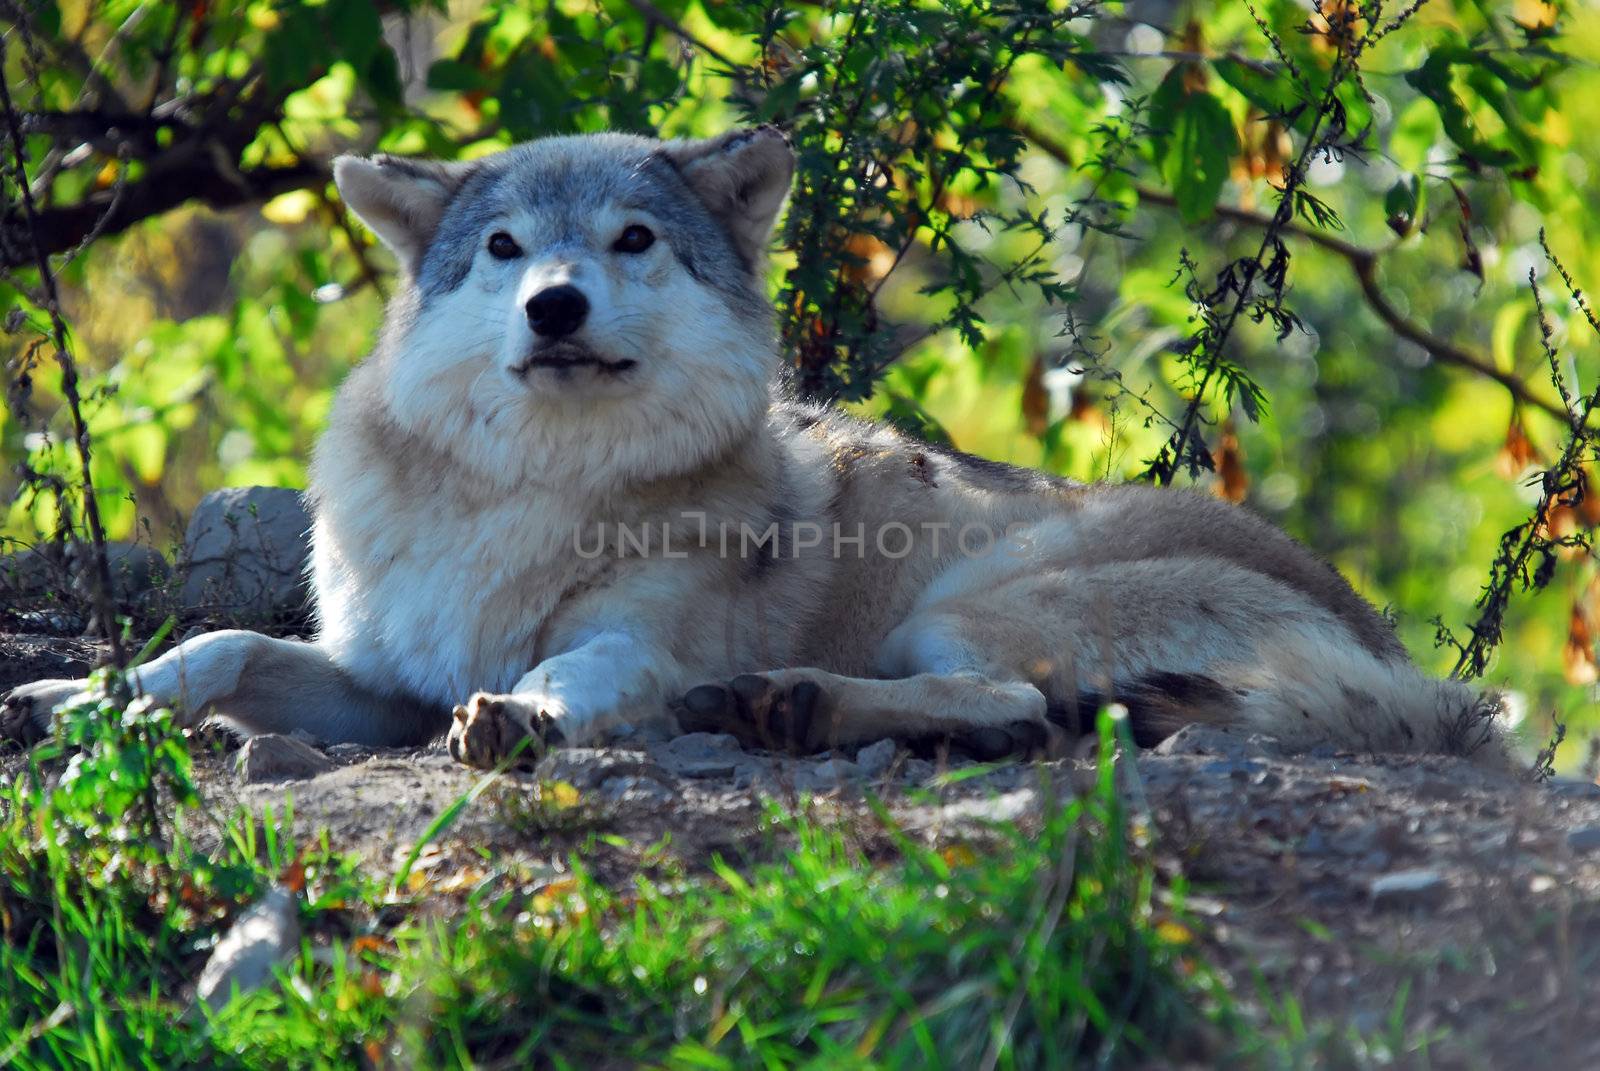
{"type": "Point", "coordinates": [419, 592]}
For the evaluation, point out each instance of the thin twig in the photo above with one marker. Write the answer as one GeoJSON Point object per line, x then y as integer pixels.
{"type": "Point", "coordinates": [99, 568]}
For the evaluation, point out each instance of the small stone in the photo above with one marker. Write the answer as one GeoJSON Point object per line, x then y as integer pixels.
{"type": "Point", "coordinates": [261, 938]}
{"type": "Point", "coordinates": [874, 759]}
{"type": "Point", "coordinates": [636, 790]}
{"type": "Point", "coordinates": [274, 757]}
{"type": "Point", "coordinates": [699, 745]}
{"type": "Point", "coordinates": [1584, 840]}
{"type": "Point", "coordinates": [823, 776]}
{"type": "Point", "coordinates": [700, 755]}
{"type": "Point", "coordinates": [1408, 888]}
{"type": "Point", "coordinates": [704, 769]}
{"type": "Point", "coordinates": [586, 768]}
{"type": "Point", "coordinates": [134, 567]}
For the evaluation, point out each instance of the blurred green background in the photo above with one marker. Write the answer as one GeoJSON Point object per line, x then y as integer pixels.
{"type": "Point", "coordinates": [212, 338]}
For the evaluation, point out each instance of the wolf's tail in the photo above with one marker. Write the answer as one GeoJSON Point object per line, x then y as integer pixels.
{"type": "Point", "coordinates": [1307, 695]}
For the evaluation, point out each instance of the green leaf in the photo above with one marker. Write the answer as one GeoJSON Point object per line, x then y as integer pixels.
{"type": "Point", "coordinates": [1435, 81]}
{"type": "Point", "coordinates": [1275, 95]}
{"type": "Point", "coordinates": [1415, 131]}
{"type": "Point", "coordinates": [453, 76]}
{"type": "Point", "coordinates": [382, 78]}
{"type": "Point", "coordinates": [1195, 164]}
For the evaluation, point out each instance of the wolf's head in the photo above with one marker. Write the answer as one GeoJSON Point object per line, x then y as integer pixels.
{"type": "Point", "coordinates": [576, 307]}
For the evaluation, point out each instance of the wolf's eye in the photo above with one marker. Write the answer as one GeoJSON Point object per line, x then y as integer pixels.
{"type": "Point", "coordinates": [634, 239]}
{"type": "Point", "coordinates": [503, 247]}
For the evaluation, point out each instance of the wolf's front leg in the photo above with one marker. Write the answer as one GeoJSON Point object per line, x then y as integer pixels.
{"type": "Point", "coordinates": [257, 683]}
{"type": "Point", "coordinates": [568, 699]}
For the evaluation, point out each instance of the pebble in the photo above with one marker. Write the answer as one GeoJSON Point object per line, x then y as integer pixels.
{"type": "Point", "coordinates": [874, 759]}
{"type": "Point", "coordinates": [704, 769]}
{"type": "Point", "coordinates": [822, 776]}
{"type": "Point", "coordinates": [636, 789]}
{"type": "Point", "coordinates": [700, 755]}
{"type": "Point", "coordinates": [1408, 888]}
{"type": "Point", "coordinates": [586, 768]}
{"type": "Point", "coordinates": [274, 757]}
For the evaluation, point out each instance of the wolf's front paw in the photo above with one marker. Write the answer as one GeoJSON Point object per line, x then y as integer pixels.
{"type": "Point", "coordinates": [487, 730]}
{"type": "Point", "coordinates": [25, 711]}
{"type": "Point", "coordinates": [759, 712]}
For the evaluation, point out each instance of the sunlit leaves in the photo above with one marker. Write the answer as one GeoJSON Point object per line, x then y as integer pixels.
{"type": "Point", "coordinates": [1467, 86]}
{"type": "Point", "coordinates": [1194, 141]}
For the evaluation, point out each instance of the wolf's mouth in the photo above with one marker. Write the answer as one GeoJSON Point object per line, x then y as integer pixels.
{"type": "Point", "coordinates": [569, 356]}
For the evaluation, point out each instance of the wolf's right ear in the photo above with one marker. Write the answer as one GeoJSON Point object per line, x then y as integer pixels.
{"type": "Point", "coordinates": [401, 200]}
{"type": "Point", "coordinates": [742, 177]}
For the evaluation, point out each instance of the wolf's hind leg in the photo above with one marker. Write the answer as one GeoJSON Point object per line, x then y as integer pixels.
{"type": "Point", "coordinates": [807, 710]}
{"type": "Point", "coordinates": [257, 683]}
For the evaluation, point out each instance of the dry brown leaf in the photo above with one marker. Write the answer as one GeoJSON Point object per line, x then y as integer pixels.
{"type": "Point", "coordinates": [1578, 656]}
{"type": "Point", "coordinates": [1035, 399]}
{"type": "Point", "coordinates": [1518, 452]}
{"type": "Point", "coordinates": [874, 259]}
{"type": "Point", "coordinates": [1233, 483]}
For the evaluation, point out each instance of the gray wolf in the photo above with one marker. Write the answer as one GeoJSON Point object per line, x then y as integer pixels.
{"type": "Point", "coordinates": [567, 491]}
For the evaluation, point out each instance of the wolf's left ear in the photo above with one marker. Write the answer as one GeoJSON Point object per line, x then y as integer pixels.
{"type": "Point", "coordinates": [402, 200]}
{"type": "Point", "coordinates": [742, 177]}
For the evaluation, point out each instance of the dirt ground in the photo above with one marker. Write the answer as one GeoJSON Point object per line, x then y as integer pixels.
{"type": "Point", "coordinates": [1365, 887]}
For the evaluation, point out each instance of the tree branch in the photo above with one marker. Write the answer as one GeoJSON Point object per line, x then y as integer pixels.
{"type": "Point", "coordinates": [1363, 264]}
{"type": "Point", "coordinates": [202, 176]}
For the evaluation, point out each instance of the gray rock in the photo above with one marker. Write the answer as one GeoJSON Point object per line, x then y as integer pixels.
{"type": "Point", "coordinates": [264, 936]}
{"type": "Point", "coordinates": [1574, 788]}
{"type": "Point", "coordinates": [245, 552]}
{"type": "Point", "coordinates": [700, 755]}
{"type": "Point", "coordinates": [874, 759]}
{"type": "Point", "coordinates": [704, 769]}
{"type": "Point", "coordinates": [825, 776]}
{"type": "Point", "coordinates": [633, 790]}
{"type": "Point", "coordinates": [273, 757]}
{"type": "Point", "coordinates": [588, 768]}
{"type": "Point", "coordinates": [1586, 839]}
{"type": "Point", "coordinates": [1408, 888]}
{"type": "Point", "coordinates": [700, 745]}
{"type": "Point", "coordinates": [135, 569]}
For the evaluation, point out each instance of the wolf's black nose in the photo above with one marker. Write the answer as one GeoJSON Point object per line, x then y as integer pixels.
{"type": "Point", "coordinates": [557, 311]}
